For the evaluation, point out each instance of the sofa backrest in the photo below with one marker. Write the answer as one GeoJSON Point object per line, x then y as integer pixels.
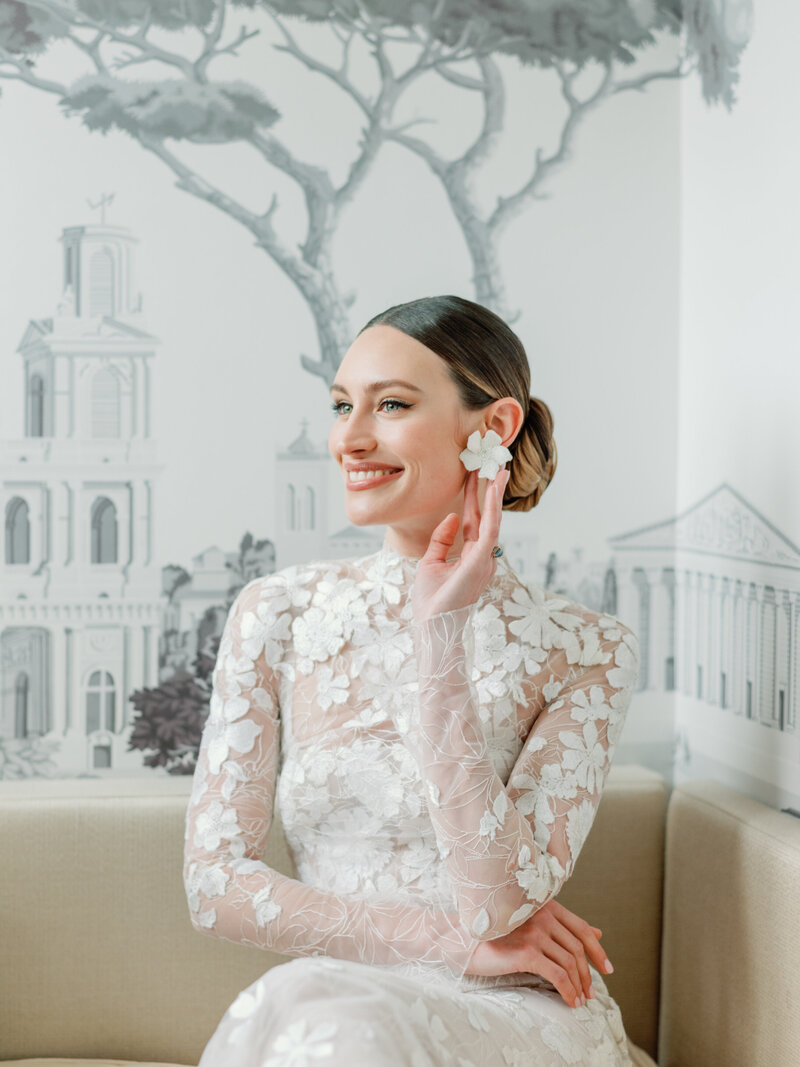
{"type": "Point", "coordinates": [98, 957]}
{"type": "Point", "coordinates": [731, 957]}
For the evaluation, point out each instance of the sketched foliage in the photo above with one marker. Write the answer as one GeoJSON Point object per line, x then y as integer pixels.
{"type": "Point", "coordinates": [28, 757]}
{"type": "Point", "coordinates": [169, 722]}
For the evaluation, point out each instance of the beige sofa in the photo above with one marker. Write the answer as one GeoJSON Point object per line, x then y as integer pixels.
{"type": "Point", "coordinates": [698, 893]}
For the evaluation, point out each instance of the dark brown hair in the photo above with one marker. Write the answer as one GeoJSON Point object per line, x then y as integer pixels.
{"type": "Point", "coordinates": [487, 361]}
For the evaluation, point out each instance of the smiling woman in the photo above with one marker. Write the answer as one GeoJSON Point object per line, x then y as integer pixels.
{"type": "Point", "coordinates": [437, 733]}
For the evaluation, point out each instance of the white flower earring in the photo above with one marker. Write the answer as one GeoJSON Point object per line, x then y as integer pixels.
{"type": "Point", "coordinates": [485, 454]}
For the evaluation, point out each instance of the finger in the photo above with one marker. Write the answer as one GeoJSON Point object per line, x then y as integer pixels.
{"type": "Point", "coordinates": [472, 511]}
{"type": "Point", "coordinates": [558, 975]}
{"type": "Point", "coordinates": [493, 510]}
{"type": "Point", "coordinates": [575, 947]}
{"type": "Point", "coordinates": [587, 934]}
{"type": "Point", "coordinates": [442, 540]}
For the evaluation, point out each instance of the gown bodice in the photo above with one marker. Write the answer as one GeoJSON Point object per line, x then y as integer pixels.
{"type": "Point", "coordinates": [435, 781]}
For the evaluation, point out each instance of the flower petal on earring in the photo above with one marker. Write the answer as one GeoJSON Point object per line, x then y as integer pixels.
{"type": "Point", "coordinates": [485, 454]}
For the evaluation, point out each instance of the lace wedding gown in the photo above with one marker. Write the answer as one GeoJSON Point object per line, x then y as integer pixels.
{"type": "Point", "coordinates": [436, 783]}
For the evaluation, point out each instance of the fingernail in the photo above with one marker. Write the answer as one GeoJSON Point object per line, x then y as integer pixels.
{"type": "Point", "coordinates": [577, 1002]}
{"type": "Point", "coordinates": [607, 967]}
{"type": "Point", "coordinates": [591, 991]}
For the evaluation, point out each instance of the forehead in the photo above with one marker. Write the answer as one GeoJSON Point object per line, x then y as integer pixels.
{"type": "Point", "coordinates": [383, 353]}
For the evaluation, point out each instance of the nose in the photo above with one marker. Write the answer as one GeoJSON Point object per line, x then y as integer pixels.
{"type": "Point", "coordinates": [352, 434]}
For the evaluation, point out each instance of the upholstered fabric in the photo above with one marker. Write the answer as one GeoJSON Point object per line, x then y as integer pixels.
{"type": "Point", "coordinates": [731, 932]}
{"type": "Point", "coordinates": [100, 959]}
{"type": "Point", "coordinates": [58, 1061]}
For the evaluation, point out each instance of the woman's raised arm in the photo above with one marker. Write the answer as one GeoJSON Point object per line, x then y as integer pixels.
{"type": "Point", "coordinates": [232, 893]}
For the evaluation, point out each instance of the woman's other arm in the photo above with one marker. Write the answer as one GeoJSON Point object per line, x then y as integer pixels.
{"type": "Point", "coordinates": [509, 849]}
{"type": "Point", "coordinates": [232, 893]}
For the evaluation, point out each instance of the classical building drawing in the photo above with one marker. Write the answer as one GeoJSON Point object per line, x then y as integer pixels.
{"type": "Point", "coordinates": [714, 595]}
{"type": "Point", "coordinates": [81, 607]}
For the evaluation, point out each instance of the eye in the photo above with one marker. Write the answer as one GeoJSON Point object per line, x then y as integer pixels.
{"type": "Point", "coordinates": [397, 404]}
{"type": "Point", "coordinates": [337, 406]}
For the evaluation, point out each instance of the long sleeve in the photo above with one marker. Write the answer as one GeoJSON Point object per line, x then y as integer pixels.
{"type": "Point", "coordinates": [232, 893]}
{"type": "Point", "coordinates": [509, 848]}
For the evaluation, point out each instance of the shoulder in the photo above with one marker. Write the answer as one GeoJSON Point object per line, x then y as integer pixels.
{"type": "Point", "coordinates": [295, 586]}
{"type": "Point", "coordinates": [553, 620]}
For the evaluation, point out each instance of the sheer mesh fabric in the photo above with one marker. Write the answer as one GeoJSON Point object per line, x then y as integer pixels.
{"type": "Point", "coordinates": [436, 780]}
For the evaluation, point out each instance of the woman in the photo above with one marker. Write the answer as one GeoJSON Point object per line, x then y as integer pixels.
{"type": "Point", "coordinates": [436, 732]}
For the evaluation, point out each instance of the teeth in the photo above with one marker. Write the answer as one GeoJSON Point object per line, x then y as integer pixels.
{"type": "Point", "coordinates": [362, 476]}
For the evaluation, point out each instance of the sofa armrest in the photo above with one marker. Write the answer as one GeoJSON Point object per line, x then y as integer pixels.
{"type": "Point", "coordinates": [731, 936]}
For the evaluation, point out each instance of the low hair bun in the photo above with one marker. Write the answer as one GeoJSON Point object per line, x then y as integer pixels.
{"type": "Point", "coordinates": [533, 459]}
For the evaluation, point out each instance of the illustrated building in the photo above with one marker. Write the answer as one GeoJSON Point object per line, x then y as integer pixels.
{"type": "Point", "coordinates": [301, 501]}
{"type": "Point", "coordinates": [81, 597]}
{"type": "Point", "coordinates": [714, 596]}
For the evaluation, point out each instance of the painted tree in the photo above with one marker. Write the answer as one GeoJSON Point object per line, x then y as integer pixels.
{"type": "Point", "coordinates": [181, 102]}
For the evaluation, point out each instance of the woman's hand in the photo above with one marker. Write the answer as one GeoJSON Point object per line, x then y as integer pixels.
{"type": "Point", "coordinates": [441, 586]}
{"type": "Point", "coordinates": [553, 943]}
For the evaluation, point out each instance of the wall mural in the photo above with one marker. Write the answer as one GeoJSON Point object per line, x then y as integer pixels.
{"type": "Point", "coordinates": [106, 646]}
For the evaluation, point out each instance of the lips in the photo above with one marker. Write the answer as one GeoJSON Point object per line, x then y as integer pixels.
{"type": "Point", "coordinates": [366, 476]}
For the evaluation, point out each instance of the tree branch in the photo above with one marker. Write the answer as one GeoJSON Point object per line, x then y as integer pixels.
{"type": "Point", "coordinates": [337, 76]}
{"type": "Point", "coordinates": [138, 40]}
{"type": "Point", "coordinates": [25, 74]}
{"type": "Point", "coordinates": [508, 206]}
{"type": "Point", "coordinates": [638, 84]}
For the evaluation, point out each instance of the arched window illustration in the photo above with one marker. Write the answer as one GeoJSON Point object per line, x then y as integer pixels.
{"type": "Point", "coordinates": [101, 283]}
{"type": "Point", "coordinates": [18, 531]}
{"type": "Point", "coordinates": [36, 395]}
{"type": "Point", "coordinates": [291, 505]}
{"type": "Point", "coordinates": [101, 698]}
{"type": "Point", "coordinates": [311, 521]}
{"type": "Point", "coordinates": [105, 404]}
{"type": "Point", "coordinates": [104, 531]}
{"type": "Point", "coordinates": [21, 693]}
{"type": "Point", "coordinates": [609, 605]}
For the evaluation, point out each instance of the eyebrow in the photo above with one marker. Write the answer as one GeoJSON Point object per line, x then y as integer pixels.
{"type": "Point", "coordinates": [376, 387]}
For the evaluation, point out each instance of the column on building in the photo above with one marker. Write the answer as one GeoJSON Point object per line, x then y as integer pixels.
{"type": "Point", "coordinates": [724, 628]}
{"type": "Point", "coordinates": [642, 627]}
{"type": "Point", "coordinates": [660, 610]}
{"type": "Point", "coordinates": [782, 656]}
{"type": "Point", "coordinates": [792, 716]}
{"type": "Point", "coordinates": [58, 645]}
{"type": "Point", "coordinates": [739, 648]}
{"type": "Point", "coordinates": [767, 660]}
{"type": "Point", "coordinates": [753, 656]}
{"type": "Point", "coordinates": [150, 649]}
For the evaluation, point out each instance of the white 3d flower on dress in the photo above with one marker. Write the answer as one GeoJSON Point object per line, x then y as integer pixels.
{"type": "Point", "coordinates": [485, 454]}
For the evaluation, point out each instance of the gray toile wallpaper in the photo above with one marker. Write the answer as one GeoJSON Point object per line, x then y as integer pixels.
{"type": "Point", "coordinates": [201, 204]}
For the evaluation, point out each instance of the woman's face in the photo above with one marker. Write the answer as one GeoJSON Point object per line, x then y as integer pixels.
{"type": "Point", "coordinates": [398, 431]}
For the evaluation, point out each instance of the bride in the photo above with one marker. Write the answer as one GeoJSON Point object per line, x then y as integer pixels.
{"type": "Point", "coordinates": [436, 731]}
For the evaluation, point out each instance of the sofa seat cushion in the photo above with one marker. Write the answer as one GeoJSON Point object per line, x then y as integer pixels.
{"type": "Point", "coordinates": [639, 1056]}
{"type": "Point", "coordinates": [59, 1061]}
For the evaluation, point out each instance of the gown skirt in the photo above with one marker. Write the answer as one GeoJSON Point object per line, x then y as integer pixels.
{"type": "Point", "coordinates": [325, 1012]}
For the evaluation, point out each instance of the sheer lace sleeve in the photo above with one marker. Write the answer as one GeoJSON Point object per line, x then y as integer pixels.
{"type": "Point", "coordinates": [509, 848]}
{"type": "Point", "coordinates": [232, 893]}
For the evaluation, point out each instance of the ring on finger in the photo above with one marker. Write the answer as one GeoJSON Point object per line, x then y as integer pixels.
{"type": "Point", "coordinates": [497, 551]}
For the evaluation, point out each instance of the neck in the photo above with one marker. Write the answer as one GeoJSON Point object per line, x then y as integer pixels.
{"type": "Point", "coordinates": [414, 542]}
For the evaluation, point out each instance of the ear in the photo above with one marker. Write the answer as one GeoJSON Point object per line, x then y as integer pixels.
{"type": "Point", "coordinates": [505, 417]}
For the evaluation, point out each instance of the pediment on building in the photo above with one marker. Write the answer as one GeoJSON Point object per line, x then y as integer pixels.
{"type": "Point", "coordinates": [34, 332]}
{"type": "Point", "coordinates": [722, 523]}
{"type": "Point", "coordinates": [72, 328]}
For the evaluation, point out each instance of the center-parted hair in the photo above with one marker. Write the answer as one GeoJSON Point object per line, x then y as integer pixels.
{"type": "Point", "coordinates": [487, 361]}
